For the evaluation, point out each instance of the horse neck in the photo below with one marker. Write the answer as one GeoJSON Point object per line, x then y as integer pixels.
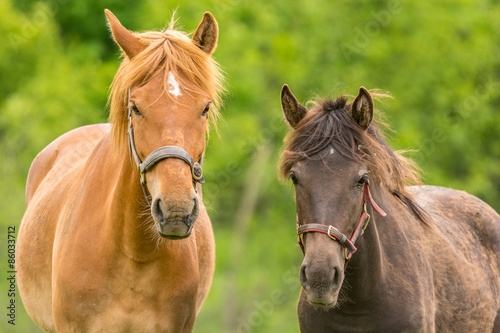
{"type": "Point", "coordinates": [368, 269]}
{"type": "Point", "coordinates": [129, 215]}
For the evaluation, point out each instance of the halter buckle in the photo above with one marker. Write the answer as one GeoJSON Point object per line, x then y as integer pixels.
{"type": "Point", "coordinates": [330, 228]}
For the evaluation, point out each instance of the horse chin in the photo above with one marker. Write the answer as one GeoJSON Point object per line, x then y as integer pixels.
{"type": "Point", "coordinates": [175, 232]}
{"type": "Point", "coordinates": [174, 237]}
{"type": "Point", "coordinates": [325, 302]}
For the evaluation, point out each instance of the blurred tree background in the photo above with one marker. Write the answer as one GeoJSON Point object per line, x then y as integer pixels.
{"type": "Point", "coordinates": [440, 60]}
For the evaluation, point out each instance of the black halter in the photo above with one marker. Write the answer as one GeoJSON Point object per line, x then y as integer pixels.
{"type": "Point", "coordinates": [158, 155]}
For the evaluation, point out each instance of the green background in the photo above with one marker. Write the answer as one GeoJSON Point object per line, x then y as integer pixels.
{"type": "Point", "coordinates": [439, 59]}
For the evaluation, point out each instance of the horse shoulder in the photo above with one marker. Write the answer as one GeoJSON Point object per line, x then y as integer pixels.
{"type": "Point", "coordinates": [45, 190]}
{"type": "Point", "coordinates": [73, 145]}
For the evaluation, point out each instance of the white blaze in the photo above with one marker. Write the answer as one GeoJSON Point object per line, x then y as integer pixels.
{"type": "Point", "coordinates": [173, 85]}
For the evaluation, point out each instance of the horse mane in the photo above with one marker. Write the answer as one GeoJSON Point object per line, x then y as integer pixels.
{"type": "Point", "coordinates": [329, 123]}
{"type": "Point", "coordinates": [167, 50]}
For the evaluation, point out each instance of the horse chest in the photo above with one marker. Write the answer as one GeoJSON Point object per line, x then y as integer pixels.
{"type": "Point", "coordinates": [377, 321]}
{"type": "Point", "coordinates": [379, 314]}
{"type": "Point", "coordinates": [125, 300]}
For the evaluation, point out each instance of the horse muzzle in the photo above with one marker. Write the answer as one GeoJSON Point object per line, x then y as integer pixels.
{"type": "Point", "coordinates": [321, 284]}
{"type": "Point", "coordinates": [175, 221]}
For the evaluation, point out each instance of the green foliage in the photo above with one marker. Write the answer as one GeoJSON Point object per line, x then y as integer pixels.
{"type": "Point", "coordinates": [439, 60]}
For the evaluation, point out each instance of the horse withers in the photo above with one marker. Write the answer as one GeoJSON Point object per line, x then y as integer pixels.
{"type": "Point", "coordinates": [115, 237]}
{"type": "Point", "coordinates": [379, 255]}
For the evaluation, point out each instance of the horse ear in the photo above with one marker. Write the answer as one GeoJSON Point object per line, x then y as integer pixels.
{"type": "Point", "coordinates": [292, 109]}
{"type": "Point", "coordinates": [124, 38]}
{"type": "Point", "coordinates": [362, 108]}
{"type": "Point", "coordinates": [205, 36]}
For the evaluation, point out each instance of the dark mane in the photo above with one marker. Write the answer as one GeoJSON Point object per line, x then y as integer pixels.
{"type": "Point", "coordinates": [329, 123]}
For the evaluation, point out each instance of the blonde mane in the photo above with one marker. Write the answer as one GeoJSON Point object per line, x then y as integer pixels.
{"type": "Point", "coordinates": [167, 50]}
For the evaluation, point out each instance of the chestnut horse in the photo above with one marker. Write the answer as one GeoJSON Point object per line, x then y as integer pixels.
{"type": "Point", "coordinates": [429, 257]}
{"type": "Point", "coordinates": [90, 255]}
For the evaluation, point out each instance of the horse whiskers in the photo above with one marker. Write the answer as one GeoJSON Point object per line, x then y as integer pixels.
{"type": "Point", "coordinates": [210, 208]}
{"type": "Point", "coordinates": [145, 209]}
{"type": "Point", "coordinates": [148, 225]}
{"type": "Point", "coordinates": [343, 298]}
{"type": "Point", "coordinates": [146, 218]}
{"type": "Point", "coordinates": [145, 215]}
{"type": "Point", "coordinates": [159, 240]}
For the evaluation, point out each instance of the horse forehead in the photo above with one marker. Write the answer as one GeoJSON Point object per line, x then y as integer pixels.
{"type": "Point", "coordinates": [326, 152]}
{"type": "Point", "coordinates": [330, 161]}
{"type": "Point", "coordinates": [174, 87]}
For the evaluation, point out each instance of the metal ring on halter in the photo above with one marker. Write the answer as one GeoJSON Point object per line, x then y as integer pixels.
{"type": "Point", "coordinates": [346, 254]}
{"type": "Point", "coordinates": [366, 223]}
{"type": "Point", "coordinates": [197, 171]}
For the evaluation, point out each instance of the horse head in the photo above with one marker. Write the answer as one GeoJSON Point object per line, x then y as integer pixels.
{"type": "Point", "coordinates": [162, 98]}
{"type": "Point", "coordinates": [331, 187]}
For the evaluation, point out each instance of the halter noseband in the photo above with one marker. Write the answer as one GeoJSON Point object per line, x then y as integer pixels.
{"type": "Point", "coordinates": [158, 155]}
{"type": "Point", "coordinates": [335, 234]}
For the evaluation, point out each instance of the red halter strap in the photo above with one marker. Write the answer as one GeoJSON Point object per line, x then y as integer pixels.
{"type": "Point", "coordinates": [335, 234]}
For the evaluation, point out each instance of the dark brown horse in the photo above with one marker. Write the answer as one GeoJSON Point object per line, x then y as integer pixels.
{"type": "Point", "coordinates": [429, 257]}
{"type": "Point", "coordinates": [112, 242]}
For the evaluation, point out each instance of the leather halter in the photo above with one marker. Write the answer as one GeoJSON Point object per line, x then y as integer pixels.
{"type": "Point", "coordinates": [158, 155]}
{"type": "Point", "coordinates": [335, 234]}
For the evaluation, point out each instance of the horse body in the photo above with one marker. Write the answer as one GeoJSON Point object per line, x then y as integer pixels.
{"type": "Point", "coordinates": [49, 170]}
{"type": "Point", "coordinates": [107, 271]}
{"type": "Point", "coordinates": [429, 259]}
{"type": "Point", "coordinates": [90, 255]}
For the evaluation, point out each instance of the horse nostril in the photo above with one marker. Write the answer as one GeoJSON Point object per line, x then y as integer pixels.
{"type": "Point", "coordinates": [158, 212]}
{"type": "Point", "coordinates": [303, 278]}
{"type": "Point", "coordinates": [336, 277]}
{"type": "Point", "coordinates": [191, 218]}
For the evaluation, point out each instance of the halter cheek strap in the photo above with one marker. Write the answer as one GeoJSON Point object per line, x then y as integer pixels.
{"type": "Point", "coordinates": [335, 234]}
{"type": "Point", "coordinates": [160, 154]}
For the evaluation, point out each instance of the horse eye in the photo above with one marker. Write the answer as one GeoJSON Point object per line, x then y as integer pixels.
{"type": "Point", "coordinates": [135, 109]}
{"type": "Point", "coordinates": [207, 108]}
{"type": "Point", "coordinates": [293, 178]}
{"type": "Point", "coordinates": [362, 180]}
